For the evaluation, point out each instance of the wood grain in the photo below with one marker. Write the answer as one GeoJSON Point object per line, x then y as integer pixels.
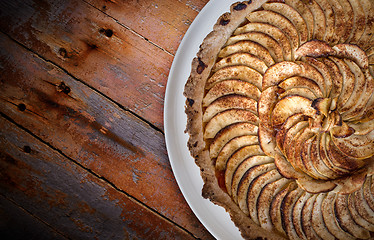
{"type": "Point", "coordinates": [161, 22]}
{"type": "Point", "coordinates": [94, 48]}
{"type": "Point", "coordinates": [92, 130]}
{"type": "Point", "coordinates": [77, 204]}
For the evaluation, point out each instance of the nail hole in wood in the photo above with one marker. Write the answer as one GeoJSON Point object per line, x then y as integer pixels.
{"type": "Point", "coordinates": [106, 32]}
{"type": "Point", "coordinates": [63, 53]}
{"type": "Point", "coordinates": [62, 87]}
{"type": "Point", "coordinates": [27, 149]}
{"type": "Point", "coordinates": [21, 107]}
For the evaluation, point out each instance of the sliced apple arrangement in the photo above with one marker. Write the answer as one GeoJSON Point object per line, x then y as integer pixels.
{"type": "Point", "coordinates": [288, 118]}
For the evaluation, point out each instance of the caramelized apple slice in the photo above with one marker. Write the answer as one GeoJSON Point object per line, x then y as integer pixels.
{"type": "Point", "coordinates": [337, 79]}
{"type": "Point", "coordinates": [348, 20]}
{"type": "Point", "coordinates": [356, 215]}
{"type": "Point", "coordinates": [228, 87]}
{"type": "Point", "coordinates": [243, 73]}
{"type": "Point", "coordinates": [230, 132]}
{"type": "Point", "coordinates": [230, 147]}
{"type": "Point", "coordinates": [289, 106]}
{"type": "Point", "coordinates": [308, 71]}
{"type": "Point", "coordinates": [297, 216]}
{"type": "Point", "coordinates": [229, 102]}
{"type": "Point", "coordinates": [254, 191]}
{"type": "Point", "coordinates": [359, 21]}
{"type": "Point", "coordinates": [357, 146]}
{"type": "Point", "coordinates": [236, 159]}
{"type": "Point", "coordinates": [365, 39]}
{"type": "Point", "coordinates": [298, 82]}
{"type": "Point", "coordinates": [324, 70]}
{"type": "Point", "coordinates": [306, 218]}
{"type": "Point", "coordinates": [245, 59]}
{"type": "Point", "coordinates": [278, 72]}
{"type": "Point", "coordinates": [247, 168]}
{"type": "Point", "coordinates": [279, 21]}
{"type": "Point", "coordinates": [330, 218]}
{"type": "Point", "coordinates": [270, 30]}
{"type": "Point", "coordinates": [263, 39]}
{"type": "Point", "coordinates": [265, 200]}
{"type": "Point", "coordinates": [287, 210]}
{"type": "Point", "coordinates": [330, 21]}
{"type": "Point", "coordinates": [292, 15]}
{"type": "Point", "coordinates": [352, 52]}
{"type": "Point", "coordinates": [317, 218]}
{"type": "Point", "coordinates": [345, 219]}
{"type": "Point", "coordinates": [243, 188]}
{"type": "Point", "coordinates": [319, 19]}
{"type": "Point", "coordinates": [339, 20]}
{"type": "Point", "coordinates": [249, 47]}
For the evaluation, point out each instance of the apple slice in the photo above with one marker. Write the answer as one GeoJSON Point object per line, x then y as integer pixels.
{"type": "Point", "coordinates": [339, 20]}
{"type": "Point", "coordinates": [355, 111]}
{"type": "Point", "coordinates": [290, 122]}
{"type": "Point", "coordinates": [359, 21]}
{"type": "Point", "coordinates": [263, 39]}
{"type": "Point", "coordinates": [291, 14]}
{"type": "Point", "coordinates": [356, 146]}
{"type": "Point", "coordinates": [317, 161]}
{"type": "Point", "coordinates": [297, 216]}
{"type": "Point", "coordinates": [340, 160]}
{"type": "Point", "coordinates": [306, 157]}
{"type": "Point", "coordinates": [247, 168]}
{"type": "Point", "coordinates": [298, 82]}
{"type": "Point", "coordinates": [243, 188]}
{"type": "Point", "coordinates": [352, 52]}
{"type": "Point", "coordinates": [329, 37]}
{"type": "Point", "coordinates": [362, 206]}
{"type": "Point", "coordinates": [243, 73]}
{"type": "Point", "coordinates": [279, 72]}
{"type": "Point", "coordinates": [289, 106]}
{"type": "Point", "coordinates": [287, 206]}
{"type": "Point", "coordinates": [362, 128]}
{"type": "Point", "coordinates": [314, 48]}
{"type": "Point", "coordinates": [230, 132]}
{"type": "Point", "coordinates": [359, 90]}
{"type": "Point", "coordinates": [236, 159]}
{"type": "Point", "coordinates": [308, 71]}
{"type": "Point", "coordinates": [364, 41]}
{"type": "Point", "coordinates": [305, 12]}
{"type": "Point", "coordinates": [255, 188]}
{"type": "Point", "coordinates": [345, 219]}
{"type": "Point", "coordinates": [330, 218]}
{"type": "Point", "coordinates": [337, 80]}
{"type": "Point", "coordinates": [324, 70]}
{"type": "Point", "coordinates": [249, 47]}
{"type": "Point", "coordinates": [229, 148]}
{"type": "Point", "coordinates": [306, 217]}
{"type": "Point", "coordinates": [369, 198]}
{"type": "Point", "coordinates": [291, 137]}
{"type": "Point", "coordinates": [265, 200]}
{"type": "Point", "coordinates": [279, 21]}
{"type": "Point", "coordinates": [226, 118]}
{"type": "Point", "coordinates": [273, 32]}
{"type": "Point", "coordinates": [285, 168]}
{"type": "Point", "coordinates": [303, 92]}
{"type": "Point", "coordinates": [245, 59]}
{"type": "Point", "coordinates": [229, 102]}
{"type": "Point", "coordinates": [348, 20]}
{"type": "Point", "coordinates": [317, 218]}
{"type": "Point", "coordinates": [228, 87]}
{"type": "Point", "coordinates": [319, 19]}
{"type": "Point", "coordinates": [348, 81]}
{"type": "Point", "coordinates": [356, 215]}
{"type": "Point", "coordinates": [301, 152]}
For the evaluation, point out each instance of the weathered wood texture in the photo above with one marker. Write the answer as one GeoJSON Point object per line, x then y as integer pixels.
{"type": "Point", "coordinates": [92, 130]}
{"type": "Point", "coordinates": [75, 203]}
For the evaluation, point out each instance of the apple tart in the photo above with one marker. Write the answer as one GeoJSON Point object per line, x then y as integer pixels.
{"type": "Point", "coordinates": [280, 108]}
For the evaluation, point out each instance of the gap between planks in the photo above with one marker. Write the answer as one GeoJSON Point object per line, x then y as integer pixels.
{"type": "Point", "coordinates": [96, 175]}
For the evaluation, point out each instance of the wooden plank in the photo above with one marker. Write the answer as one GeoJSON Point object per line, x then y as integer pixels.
{"type": "Point", "coordinates": [92, 130]}
{"type": "Point", "coordinates": [94, 48]}
{"type": "Point", "coordinates": [16, 223]}
{"type": "Point", "coordinates": [162, 22]}
{"type": "Point", "coordinates": [70, 199]}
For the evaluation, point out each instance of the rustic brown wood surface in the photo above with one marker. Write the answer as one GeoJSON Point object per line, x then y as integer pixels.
{"type": "Point", "coordinates": [82, 150]}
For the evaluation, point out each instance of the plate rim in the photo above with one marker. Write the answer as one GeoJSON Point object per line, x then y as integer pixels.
{"type": "Point", "coordinates": [218, 221]}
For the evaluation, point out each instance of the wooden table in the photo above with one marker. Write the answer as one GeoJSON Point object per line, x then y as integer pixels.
{"type": "Point", "coordinates": [82, 149]}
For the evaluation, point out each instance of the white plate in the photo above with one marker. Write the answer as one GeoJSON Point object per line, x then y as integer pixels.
{"type": "Point", "coordinates": [187, 174]}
